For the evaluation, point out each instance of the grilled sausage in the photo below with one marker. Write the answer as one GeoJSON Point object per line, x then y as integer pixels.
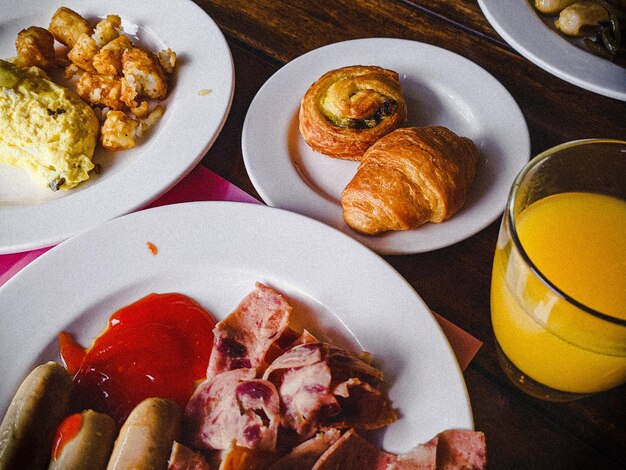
{"type": "Point", "coordinates": [146, 438]}
{"type": "Point", "coordinates": [36, 410]}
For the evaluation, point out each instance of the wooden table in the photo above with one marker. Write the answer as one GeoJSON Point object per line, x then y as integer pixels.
{"type": "Point", "coordinates": [266, 34]}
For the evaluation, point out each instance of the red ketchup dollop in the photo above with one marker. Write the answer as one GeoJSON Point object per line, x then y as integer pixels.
{"type": "Point", "coordinates": [158, 346]}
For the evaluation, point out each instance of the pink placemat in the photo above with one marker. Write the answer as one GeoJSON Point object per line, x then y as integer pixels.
{"type": "Point", "coordinates": [201, 184]}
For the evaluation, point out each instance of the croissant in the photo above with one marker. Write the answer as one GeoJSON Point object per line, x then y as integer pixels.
{"type": "Point", "coordinates": [348, 109]}
{"type": "Point", "coordinates": [409, 177]}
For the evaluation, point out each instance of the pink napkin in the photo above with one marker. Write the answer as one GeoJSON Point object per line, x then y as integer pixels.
{"type": "Point", "coordinates": [201, 184]}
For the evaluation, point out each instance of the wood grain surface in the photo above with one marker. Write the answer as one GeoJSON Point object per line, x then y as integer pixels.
{"type": "Point", "coordinates": [266, 34]}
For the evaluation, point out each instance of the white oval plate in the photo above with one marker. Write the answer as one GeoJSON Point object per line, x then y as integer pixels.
{"type": "Point", "coordinates": [535, 37]}
{"type": "Point", "coordinates": [441, 88]}
{"type": "Point", "coordinates": [215, 252]}
{"type": "Point", "coordinates": [31, 217]}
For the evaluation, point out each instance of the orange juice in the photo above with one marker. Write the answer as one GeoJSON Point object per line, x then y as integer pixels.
{"type": "Point", "coordinates": [578, 242]}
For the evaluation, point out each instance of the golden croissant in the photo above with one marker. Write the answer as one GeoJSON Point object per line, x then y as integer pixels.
{"type": "Point", "coordinates": [348, 109]}
{"type": "Point", "coordinates": [410, 177]}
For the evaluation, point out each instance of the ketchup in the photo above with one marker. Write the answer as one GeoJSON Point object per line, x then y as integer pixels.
{"type": "Point", "coordinates": [158, 346]}
{"type": "Point", "coordinates": [66, 431]}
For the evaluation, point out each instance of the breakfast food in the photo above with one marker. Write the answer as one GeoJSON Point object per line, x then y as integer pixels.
{"type": "Point", "coordinates": [37, 408]}
{"type": "Point", "coordinates": [55, 139]}
{"type": "Point", "coordinates": [410, 177]}
{"type": "Point", "coordinates": [46, 129]}
{"type": "Point", "coordinates": [598, 22]}
{"type": "Point", "coordinates": [284, 400]}
{"type": "Point", "coordinates": [348, 109]}
{"type": "Point", "coordinates": [83, 440]}
{"type": "Point", "coordinates": [146, 438]}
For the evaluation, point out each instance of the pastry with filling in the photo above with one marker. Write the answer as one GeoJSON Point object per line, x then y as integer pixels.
{"type": "Point", "coordinates": [348, 109]}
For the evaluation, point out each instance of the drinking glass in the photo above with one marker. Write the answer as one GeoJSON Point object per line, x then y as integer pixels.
{"type": "Point", "coordinates": [558, 290]}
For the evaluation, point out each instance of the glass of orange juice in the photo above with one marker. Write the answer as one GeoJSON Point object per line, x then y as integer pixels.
{"type": "Point", "coordinates": [558, 288]}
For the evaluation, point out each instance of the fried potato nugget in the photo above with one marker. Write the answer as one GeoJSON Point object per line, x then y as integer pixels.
{"type": "Point", "coordinates": [83, 52]}
{"type": "Point", "coordinates": [35, 46]}
{"type": "Point", "coordinates": [67, 26]}
{"type": "Point", "coordinates": [119, 130]}
{"type": "Point", "coordinates": [107, 30]}
{"type": "Point", "coordinates": [144, 76]}
{"type": "Point", "coordinates": [109, 60]}
{"type": "Point", "coordinates": [105, 90]}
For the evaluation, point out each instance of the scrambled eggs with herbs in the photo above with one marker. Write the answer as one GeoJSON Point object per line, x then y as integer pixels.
{"type": "Point", "coordinates": [45, 129]}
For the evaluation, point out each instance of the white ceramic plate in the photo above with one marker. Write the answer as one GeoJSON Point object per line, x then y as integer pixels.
{"type": "Point", "coordinates": [215, 252]}
{"type": "Point", "coordinates": [535, 37]}
{"type": "Point", "coordinates": [31, 217]}
{"type": "Point", "coordinates": [441, 88]}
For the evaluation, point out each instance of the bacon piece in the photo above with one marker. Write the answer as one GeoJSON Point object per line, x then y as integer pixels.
{"type": "Point", "coordinates": [233, 407]}
{"type": "Point", "coordinates": [183, 458]}
{"type": "Point", "coordinates": [243, 339]}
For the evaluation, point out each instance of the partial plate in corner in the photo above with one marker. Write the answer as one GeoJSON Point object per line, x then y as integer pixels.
{"type": "Point", "coordinates": [32, 217]}
{"type": "Point", "coordinates": [441, 88]}
{"type": "Point", "coordinates": [533, 36]}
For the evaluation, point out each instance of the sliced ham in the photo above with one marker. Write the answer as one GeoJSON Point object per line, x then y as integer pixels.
{"type": "Point", "coordinates": [320, 385]}
{"type": "Point", "coordinates": [352, 452]}
{"type": "Point", "coordinates": [453, 449]}
{"type": "Point", "coordinates": [233, 407]}
{"type": "Point", "coordinates": [242, 340]}
{"type": "Point", "coordinates": [305, 455]}
{"type": "Point", "coordinates": [183, 458]}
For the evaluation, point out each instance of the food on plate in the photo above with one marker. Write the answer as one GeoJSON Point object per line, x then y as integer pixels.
{"type": "Point", "coordinates": [83, 441]}
{"type": "Point", "coordinates": [145, 440]}
{"type": "Point", "coordinates": [36, 410]}
{"type": "Point", "coordinates": [598, 22]}
{"type": "Point", "coordinates": [348, 109]}
{"type": "Point", "coordinates": [551, 7]}
{"type": "Point", "coordinates": [45, 129]}
{"type": "Point", "coordinates": [55, 139]}
{"type": "Point", "coordinates": [139, 354]}
{"type": "Point", "coordinates": [581, 18]}
{"type": "Point", "coordinates": [409, 177]}
{"type": "Point", "coordinates": [35, 47]}
{"type": "Point", "coordinates": [274, 398]}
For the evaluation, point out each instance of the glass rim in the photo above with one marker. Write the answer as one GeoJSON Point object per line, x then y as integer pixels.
{"type": "Point", "coordinates": [518, 245]}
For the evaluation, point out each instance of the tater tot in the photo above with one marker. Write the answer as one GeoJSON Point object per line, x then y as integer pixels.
{"type": "Point", "coordinates": [83, 52]}
{"type": "Point", "coordinates": [107, 30]}
{"type": "Point", "coordinates": [118, 131]}
{"type": "Point", "coordinates": [109, 60]}
{"type": "Point", "coordinates": [143, 76]}
{"type": "Point", "coordinates": [67, 26]}
{"type": "Point", "coordinates": [35, 46]}
{"type": "Point", "coordinates": [105, 90]}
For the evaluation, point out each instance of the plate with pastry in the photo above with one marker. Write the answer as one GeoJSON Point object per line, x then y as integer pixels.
{"type": "Point", "coordinates": [404, 146]}
{"type": "Point", "coordinates": [94, 99]}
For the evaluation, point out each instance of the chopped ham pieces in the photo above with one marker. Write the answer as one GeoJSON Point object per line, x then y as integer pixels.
{"type": "Point", "coordinates": [183, 458]}
{"type": "Point", "coordinates": [276, 400]}
{"type": "Point", "coordinates": [233, 407]}
{"type": "Point", "coordinates": [243, 339]}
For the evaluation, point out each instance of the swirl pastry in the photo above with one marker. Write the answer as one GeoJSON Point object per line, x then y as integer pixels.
{"type": "Point", "coordinates": [348, 109]}
{"type": "Point", "coordinates": [409, 177]}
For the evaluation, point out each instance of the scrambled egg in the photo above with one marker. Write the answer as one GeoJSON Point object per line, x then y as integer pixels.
{"type": "Point", "coordinates": [45, 129]}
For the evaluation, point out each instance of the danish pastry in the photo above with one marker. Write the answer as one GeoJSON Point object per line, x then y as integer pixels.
{"type": "Point", "coordinates": [409, 177]}
{"type": "Point", "coordinates": [348, 109]}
